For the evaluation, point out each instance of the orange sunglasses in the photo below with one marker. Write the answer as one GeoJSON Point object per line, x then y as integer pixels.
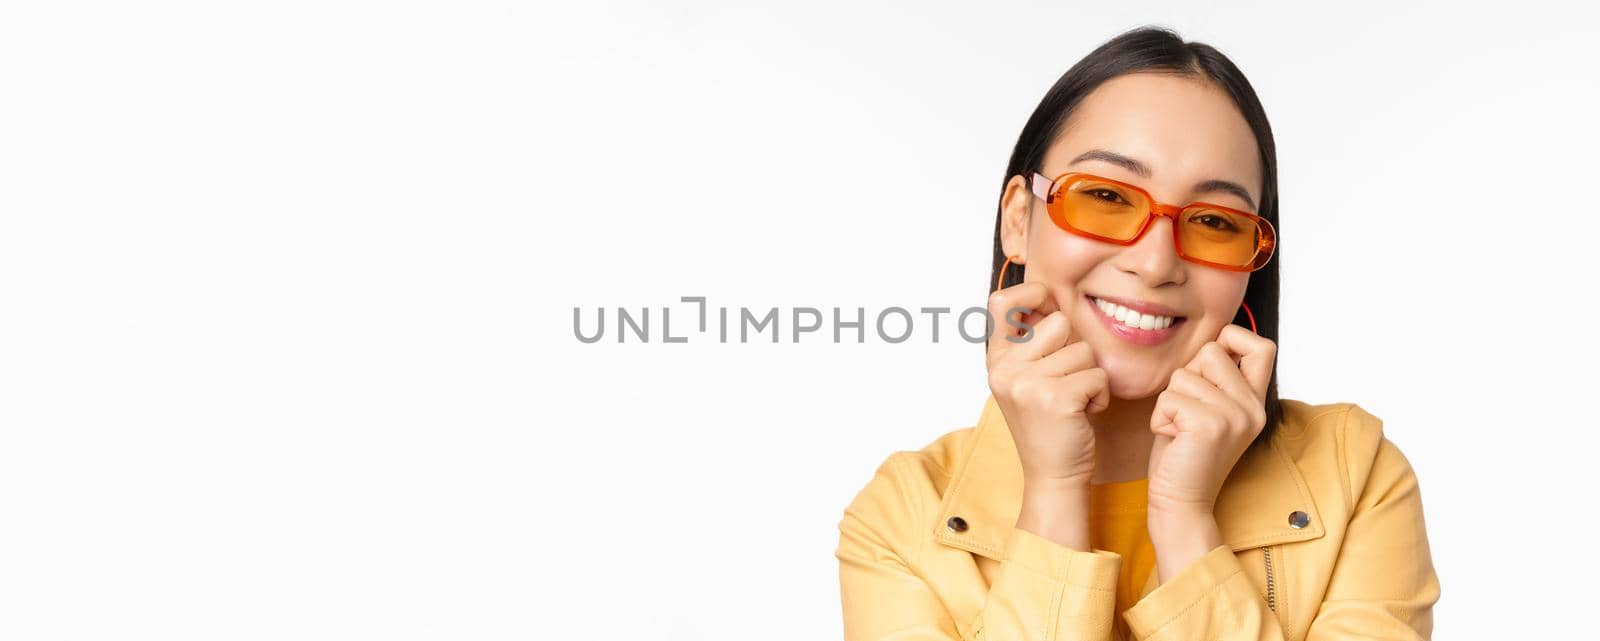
{"type": "Point", "coordinates": [1117, 212]}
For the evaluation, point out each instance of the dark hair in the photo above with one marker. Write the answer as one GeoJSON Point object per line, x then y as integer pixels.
{"type": "Point", "coordinates": [1155, 49]}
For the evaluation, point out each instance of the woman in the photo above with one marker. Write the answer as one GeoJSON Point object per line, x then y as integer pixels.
{"type": "Point", "coordinates": [1133, 474]}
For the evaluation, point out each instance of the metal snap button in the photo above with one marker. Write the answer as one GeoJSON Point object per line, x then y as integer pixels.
{"type": "Point", "coordinates": [1298, 519]}
{"type": "Point", "coordinates": [957, 524]}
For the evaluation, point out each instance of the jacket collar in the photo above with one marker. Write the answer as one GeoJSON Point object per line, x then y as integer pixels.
{"type": "Point", "coordinates": [1252, 508]}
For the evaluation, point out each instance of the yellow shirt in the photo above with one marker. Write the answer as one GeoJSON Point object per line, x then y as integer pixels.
{"type": "Point", "coordinates": [1117, 524]}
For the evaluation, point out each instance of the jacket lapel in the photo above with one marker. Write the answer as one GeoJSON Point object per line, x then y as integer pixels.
{"type": "Point", "coordinates": [1252, 508]}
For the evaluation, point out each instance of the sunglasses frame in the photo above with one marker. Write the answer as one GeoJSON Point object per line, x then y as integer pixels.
{"type": "Point", "coordinates": [1047, 189]}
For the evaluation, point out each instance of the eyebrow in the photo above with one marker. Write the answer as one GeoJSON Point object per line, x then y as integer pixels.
{"type": "Point", "coordinates": [1143, 171]}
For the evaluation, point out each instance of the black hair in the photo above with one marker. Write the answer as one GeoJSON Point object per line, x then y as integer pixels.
{"type": "Point", "coordinates": [1156, 49]}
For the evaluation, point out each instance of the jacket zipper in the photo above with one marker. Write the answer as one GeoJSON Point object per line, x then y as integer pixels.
{"type": "Point", "coordinates": [1266, 553]}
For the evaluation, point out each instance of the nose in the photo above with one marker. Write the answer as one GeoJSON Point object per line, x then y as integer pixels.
{"type": "Point", "coordinates": [1153, 258]}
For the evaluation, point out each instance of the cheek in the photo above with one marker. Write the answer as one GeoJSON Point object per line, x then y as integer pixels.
{"type": "Point", "coordinates": [1063, 258]}
{"type": "Point", "coordinates": [1221, 295]}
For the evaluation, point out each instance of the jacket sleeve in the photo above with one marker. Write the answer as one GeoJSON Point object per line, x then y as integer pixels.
{"type": "Point", "coordinates": [1043, 591]}
{"type": "Point", "coordinates": [1383, 585]}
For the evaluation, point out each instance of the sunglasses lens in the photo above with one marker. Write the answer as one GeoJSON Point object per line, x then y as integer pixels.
{"type": "Point", "coordinates": [1103, 209]}
{"type": "Point", "coordinates": [1111, 211]}
{"type": "Point", "coordinates": [1219, 236]}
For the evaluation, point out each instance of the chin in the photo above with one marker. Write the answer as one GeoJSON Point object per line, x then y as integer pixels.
{"type": "Point", "coordinates": [1135, 385]}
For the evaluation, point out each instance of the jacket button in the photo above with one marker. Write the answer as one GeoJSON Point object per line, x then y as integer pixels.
{"type": "Point", "coordinates": [1298, 519]}
{"type": "Point", "coordinates": [957, 523]}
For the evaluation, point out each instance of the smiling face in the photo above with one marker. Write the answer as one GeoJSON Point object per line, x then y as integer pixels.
{"type": "Point", "coordinates": [1181, 139]}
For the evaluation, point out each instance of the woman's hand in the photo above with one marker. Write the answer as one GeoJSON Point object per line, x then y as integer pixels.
{"type": "Point", "coordinates": [1204, 420]}
{"type": "Point", "coordinates": [1045, 384]}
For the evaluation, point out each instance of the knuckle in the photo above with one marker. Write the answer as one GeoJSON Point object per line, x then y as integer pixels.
{"type": "Point", "coordinates": [1023, 387]}
{"type": "Point", "coordinates": [1042, 396]}
{"type": "Point", "coordinates": [1000, 377]}
{"type": "Point", "coordinates": [1003, 378]}
{"type": "Point", "coordinates": [1088, 379]}
{"type": "Point", "coordinates": [996, 298]}
{"type": "Point", "coordinates": [1239, 418]}
{"type": "Point", "coordinates": [1080, 352]}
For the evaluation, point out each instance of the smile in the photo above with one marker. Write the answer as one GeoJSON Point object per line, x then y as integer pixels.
{"type": "Point", "coordinates": [1135, 326]}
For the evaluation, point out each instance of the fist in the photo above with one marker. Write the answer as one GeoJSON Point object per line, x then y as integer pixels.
{"type": "Point", "coordinates": [1045, 384]}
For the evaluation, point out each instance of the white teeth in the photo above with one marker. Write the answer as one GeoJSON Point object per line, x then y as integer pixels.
{"type": "Point", "coordinates": [1132, 318]}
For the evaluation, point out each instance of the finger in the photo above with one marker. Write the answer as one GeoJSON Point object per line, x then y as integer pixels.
{"type": "Point", "coordinates": [1178, 413]}
{"type": "Point", "coordinates": [1002, 320]}
{"type": "Point", "coordinates": [1036, 315]}
{"type": "Point", "coordinates": [1067, 359]}
{"type": "Point", "coordinates": [1193, 385]}
{"type": "Point", "coordinates": [1158, 449]}
{"type": "Point", "coordinates": [1049, 335]}
{"type": "Point", "coordinates": [1219, 411]}
{"type": "Point", "coordinates": [1087, 389]}
{"type": "Point", "coordinates": [1172, 413]}
{"type": "Point", "coordinates": [1255, 355]}
{"type": "Point", "coordinates": [1215, 365]}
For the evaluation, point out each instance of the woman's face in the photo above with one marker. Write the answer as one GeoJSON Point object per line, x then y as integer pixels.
{"type": "Point", "coordinates": [1180, 138]}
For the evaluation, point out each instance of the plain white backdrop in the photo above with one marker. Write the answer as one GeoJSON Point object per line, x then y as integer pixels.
{"type": "Point", "coordinates": [287, 288]}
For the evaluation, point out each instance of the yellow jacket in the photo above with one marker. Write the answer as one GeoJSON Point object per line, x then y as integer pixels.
{"type": "Point", "coordinates": [928, 549]}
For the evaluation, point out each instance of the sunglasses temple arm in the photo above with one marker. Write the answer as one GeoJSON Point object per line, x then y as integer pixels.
{"type": "Point", "coordinates": [1041, 187]}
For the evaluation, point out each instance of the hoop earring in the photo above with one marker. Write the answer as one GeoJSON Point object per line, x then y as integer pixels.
{"type": "Point", "coordinates": [998, 283]}
{"type": "Point", "coordinates": [1252, 318]}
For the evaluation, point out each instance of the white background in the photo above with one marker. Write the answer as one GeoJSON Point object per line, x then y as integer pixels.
{"type": "Point", "coordinates": [286, 294]}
